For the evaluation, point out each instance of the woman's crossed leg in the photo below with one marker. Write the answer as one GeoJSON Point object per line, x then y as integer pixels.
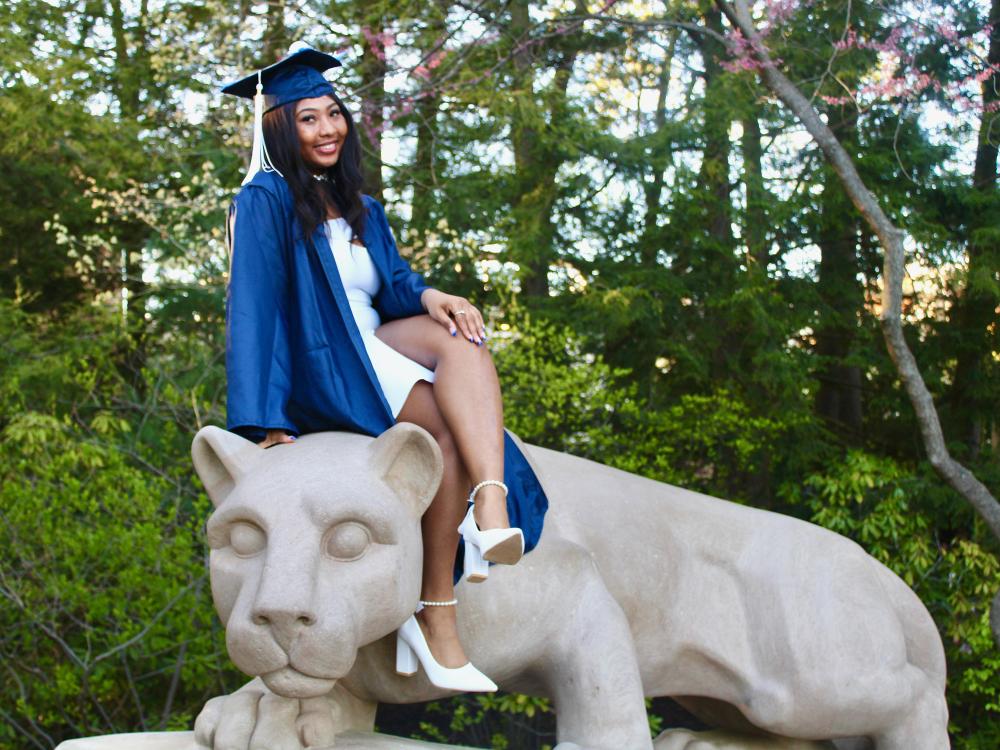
{"type": "Point", "coordinates": [462, 410]}
{"type": "Point", "coordinates": [467, 394]}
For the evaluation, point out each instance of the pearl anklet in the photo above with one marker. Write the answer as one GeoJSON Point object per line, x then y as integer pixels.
{"type": "Point", "coordinates": [485, 483]}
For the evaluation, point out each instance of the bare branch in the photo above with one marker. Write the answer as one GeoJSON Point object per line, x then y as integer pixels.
{"type": "Point", "coordinates": [34, 740]}
{"type": "Point", "coordinates": [149, 625]}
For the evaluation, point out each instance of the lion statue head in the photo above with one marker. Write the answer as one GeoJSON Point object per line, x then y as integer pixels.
{"type": "Point", "coordinates": [315, 546]}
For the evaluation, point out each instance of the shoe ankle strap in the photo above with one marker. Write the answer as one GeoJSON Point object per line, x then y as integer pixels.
{"type": "Point", "coordinates": [485, 483]}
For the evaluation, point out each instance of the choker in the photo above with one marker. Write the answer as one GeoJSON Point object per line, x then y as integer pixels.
{"type": "Point", "coordinates": [321, 177]}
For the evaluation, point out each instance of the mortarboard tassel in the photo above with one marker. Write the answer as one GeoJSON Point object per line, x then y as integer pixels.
{"type": "Point", "coordinates": [259, 158]}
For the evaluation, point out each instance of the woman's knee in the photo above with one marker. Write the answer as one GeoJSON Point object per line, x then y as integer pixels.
{"type": "Point", "coordinates": [422, 410]}
{"type": "Point", "coordinates": [452, 459]}
{"type": "Point", "coordinates": [421, 338]}
{"type": "Point", "coordinates": [449, 449]}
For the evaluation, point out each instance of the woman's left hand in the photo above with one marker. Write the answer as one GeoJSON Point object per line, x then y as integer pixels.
{"type": "Point", "coordinates": [455, 313]}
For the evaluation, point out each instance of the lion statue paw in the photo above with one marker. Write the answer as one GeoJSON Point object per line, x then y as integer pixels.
{"type": "Point", "coordinates": [254, 718]}
{"type": "Point", "coordinates": [684, 739]}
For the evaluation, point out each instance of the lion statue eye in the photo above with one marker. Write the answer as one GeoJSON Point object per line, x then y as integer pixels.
{"type": "Point", "coordinates": [347, 541]}
{"type": "Point", "coordinates": [246, 538]}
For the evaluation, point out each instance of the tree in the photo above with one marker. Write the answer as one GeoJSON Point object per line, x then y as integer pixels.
{"type": "Point", "coordinates": [891, 238]}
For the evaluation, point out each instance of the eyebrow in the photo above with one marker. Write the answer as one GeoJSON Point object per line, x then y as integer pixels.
{"type": "Point", "coordinates": [316, 109]}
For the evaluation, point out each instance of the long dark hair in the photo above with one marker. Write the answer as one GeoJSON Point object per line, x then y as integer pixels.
{"type": "Point", "coordinates": [344, 180]}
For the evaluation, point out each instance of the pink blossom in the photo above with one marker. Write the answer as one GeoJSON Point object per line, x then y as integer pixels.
{"type": "Point", "coordinates": [851, 40]}
{"type": "Point", "coordinates": [947, 31]}
{"type": "Point", "coordinates": [379, 42]}
{"type": "Point", "coordinates": [779, 11]}
{"type": "Point", "coordinates": [836, 101]}
{"type": "Point", "coordinates": [436, 57]}
{"type": "Point", "coordinates": [741, 64]}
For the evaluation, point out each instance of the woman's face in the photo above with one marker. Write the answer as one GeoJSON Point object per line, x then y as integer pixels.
{"type": "Point", "coordinates": [322, 130]}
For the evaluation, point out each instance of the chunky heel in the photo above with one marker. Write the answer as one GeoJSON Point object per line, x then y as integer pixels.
{"type": "Point", "coordinates": [411, 648]}
{"type": "Point", "coordinates": [477, 569]}
{"type": "Point", "coordinates": [406, 659]}
{"type": "Point", "coordinates": [504, 546]}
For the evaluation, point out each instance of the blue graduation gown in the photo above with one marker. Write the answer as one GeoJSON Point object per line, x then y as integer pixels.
{"type": "Point", "coordinates": [294, 355]}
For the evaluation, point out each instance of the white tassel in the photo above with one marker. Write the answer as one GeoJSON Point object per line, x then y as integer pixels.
{"type": "Point", "coordinates": [259, 158]}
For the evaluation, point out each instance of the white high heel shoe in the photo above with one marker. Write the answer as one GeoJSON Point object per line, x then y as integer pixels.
{"type": "Point", "coordinates": [504, 546]}
{"type": "Point", "coordinates": [412, 648]}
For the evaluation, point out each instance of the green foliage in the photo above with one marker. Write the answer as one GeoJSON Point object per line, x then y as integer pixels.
{"type": "Point", "coordinates": [107, 618]}
{"type": "Point", "coordinates": [559, 395]}
{"type": "Point", "coordinates": [105, 590]}
{"type": "Point", "coordinates": [500, 721]}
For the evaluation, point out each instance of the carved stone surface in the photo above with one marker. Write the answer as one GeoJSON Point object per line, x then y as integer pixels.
{"type": "Point", "coordinates": [674, 739]}
{"type": "Point", "coordinates": [754, 621]}
{"type": "Point", "coordinates": [186, 741]}
{"type": "Point", "coordinates": [138, 741]}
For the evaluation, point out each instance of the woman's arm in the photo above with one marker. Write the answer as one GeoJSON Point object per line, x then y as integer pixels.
{"type": "Point", "coordinates": [455, 313]}
{"type": "Point", "coordinates": [258, 354]}
{"type": "Point", "coordinates": [407, 285]}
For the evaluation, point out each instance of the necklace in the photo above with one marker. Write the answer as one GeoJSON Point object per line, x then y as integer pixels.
{"type": "Point", "coordinates": [320, 177]}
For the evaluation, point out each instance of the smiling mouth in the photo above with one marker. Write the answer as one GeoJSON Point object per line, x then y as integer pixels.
{"type": "Point", "coordinates": [328, 148]}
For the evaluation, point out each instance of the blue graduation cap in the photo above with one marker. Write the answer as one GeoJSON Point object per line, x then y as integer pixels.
{"type": "Point", "coordinates": [299, 75]}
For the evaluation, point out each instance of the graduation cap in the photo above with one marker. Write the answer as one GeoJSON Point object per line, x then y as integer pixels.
{"type": "Point", "coordinates": [299, 75]}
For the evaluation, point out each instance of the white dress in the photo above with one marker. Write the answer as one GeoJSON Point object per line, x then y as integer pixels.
{"type": "Point", "coordinates": [396, 373]}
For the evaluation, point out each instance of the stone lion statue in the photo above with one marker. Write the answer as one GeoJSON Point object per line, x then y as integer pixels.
{"type": "Point", "coordinates": [777, 632]}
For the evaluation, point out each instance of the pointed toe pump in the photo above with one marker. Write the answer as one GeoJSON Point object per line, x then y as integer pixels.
{"type": "Point", "coordinates": [412, 649]}
{"type": "Point", "coordinates": [504, 546]}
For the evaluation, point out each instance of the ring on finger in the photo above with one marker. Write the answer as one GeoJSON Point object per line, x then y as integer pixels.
{"type": "Point", "coordinates": [459, 312]}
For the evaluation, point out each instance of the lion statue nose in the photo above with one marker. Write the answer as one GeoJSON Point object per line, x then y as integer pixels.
{"type": "Point", "coordinates": [283, 619]}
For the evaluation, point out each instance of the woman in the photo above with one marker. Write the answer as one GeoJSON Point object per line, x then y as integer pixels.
{"type": "Point", "coordinates": [328, 328]}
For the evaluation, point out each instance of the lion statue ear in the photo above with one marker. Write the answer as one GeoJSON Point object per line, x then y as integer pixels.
{"type": "Point", "coordinates": [408, 459]}
{"type": "Point", "coordinates": [221, 458]}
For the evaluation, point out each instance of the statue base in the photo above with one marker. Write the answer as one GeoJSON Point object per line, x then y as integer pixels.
{"type": "Point", "coordinates": [185, 741]}
{"type": "Point", "coordinates": [672, 739]}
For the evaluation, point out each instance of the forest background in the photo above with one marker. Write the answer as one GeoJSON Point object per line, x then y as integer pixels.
{"type": "Point", "coordinates": [676, 280]}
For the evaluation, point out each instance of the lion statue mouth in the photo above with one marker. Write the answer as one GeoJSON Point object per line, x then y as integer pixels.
{"type": "Point", "coordinates": [291, 683]}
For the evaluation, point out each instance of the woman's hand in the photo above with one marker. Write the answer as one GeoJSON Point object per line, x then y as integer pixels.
{"type": "Point", "coordinates": [276, 437]}
{"type": "Point", "coordinates": [455, 313]}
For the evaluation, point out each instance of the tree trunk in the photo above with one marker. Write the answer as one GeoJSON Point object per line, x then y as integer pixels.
{"type": "Point", "coordinates": [755, 216]}
{"type": "Point", "coordinates": [422, 174]}
{"type": "Point", "coordinates": [372, 117]}
{"type": "Point", "coordinates": [838, 401]}
{"type": "Point", "coordinates": [131, 77]}
{"type": "Point", "coordinates": [714, 171]}
{"type": "Point", "coordinates": [530, 241]}
{"type": "Point", "coordinates": [536, 157]}
{"type": "Point", "coordinates": [276, 36]}
{"type": "Point", "coordinates": [653, 189]}
{"type": "Point", "coordinates": [716, 263]}
{"type": "Point", "coordinates": [974, 310]}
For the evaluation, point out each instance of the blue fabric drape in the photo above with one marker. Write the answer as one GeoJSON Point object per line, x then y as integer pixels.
{"type": "Point", "coordinates": [294, 355]}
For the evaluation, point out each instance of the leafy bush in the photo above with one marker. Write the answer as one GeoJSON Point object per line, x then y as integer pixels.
{"type": "Point", "coordinates": [560, 396]}
{"type": "Point", "coordinates": [107, 620]}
